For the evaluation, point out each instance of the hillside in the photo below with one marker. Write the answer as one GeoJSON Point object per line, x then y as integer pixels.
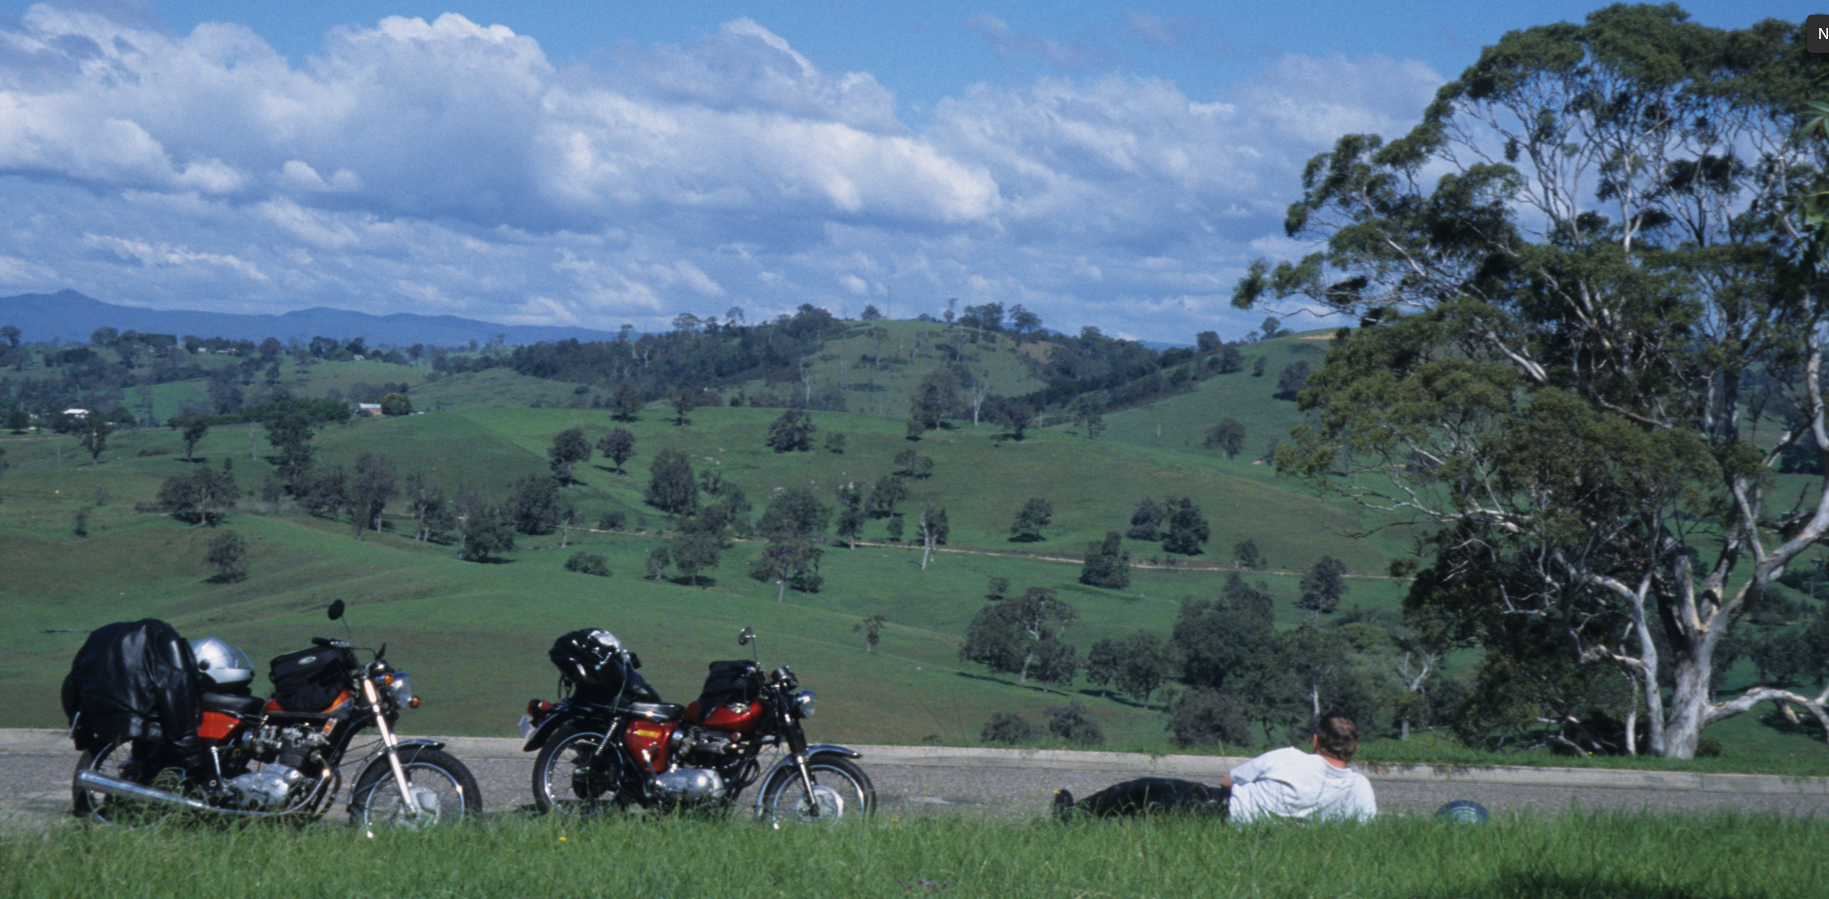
{"type": "Point", "coordinates": [449, 619]}
{"type": "Point", "coordinates": [476, 633]}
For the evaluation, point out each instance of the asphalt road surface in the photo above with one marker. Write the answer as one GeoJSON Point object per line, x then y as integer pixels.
{"type": "Point", "coordinates": [36, 765]}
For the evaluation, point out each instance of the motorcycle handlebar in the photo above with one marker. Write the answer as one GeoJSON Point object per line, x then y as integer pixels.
{"type": "Point", "coordinates": [328, 643]}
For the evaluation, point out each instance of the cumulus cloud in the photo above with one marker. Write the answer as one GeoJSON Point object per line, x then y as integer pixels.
{"type": "Point", "coordinates": [449, 166]}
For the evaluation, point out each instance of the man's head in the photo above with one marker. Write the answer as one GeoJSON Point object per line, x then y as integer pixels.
{"type": "Point", "coordinates": [1337, 736]}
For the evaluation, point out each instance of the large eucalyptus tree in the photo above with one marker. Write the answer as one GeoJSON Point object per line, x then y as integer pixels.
{"type": "Point", "coordinates": [1587, 339]}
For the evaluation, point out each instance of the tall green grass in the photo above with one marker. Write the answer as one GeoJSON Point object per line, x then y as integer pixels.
{"type": "Point", "coordinates": [1611, 856]}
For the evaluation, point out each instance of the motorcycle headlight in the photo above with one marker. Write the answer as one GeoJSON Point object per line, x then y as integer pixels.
{"type": "Point", "coordinates": [400, 684]}
{"type": "Point", "coordinates": [805, 703]}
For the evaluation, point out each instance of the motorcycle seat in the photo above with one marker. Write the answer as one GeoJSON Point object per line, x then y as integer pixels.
{"type": "Point", "coordinates": [656, 711]}
{"type": "Point", "coordinates": [232, 704]}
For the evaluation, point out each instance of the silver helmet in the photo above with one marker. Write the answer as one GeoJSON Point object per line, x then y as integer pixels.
{"type": "Point", "coordinates": [220, 663]}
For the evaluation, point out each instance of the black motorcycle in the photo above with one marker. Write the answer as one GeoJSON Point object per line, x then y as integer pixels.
{"type": "Point", "coordinates": [611, 744]}
{"type": "Point", "coordinates": [282, 757]}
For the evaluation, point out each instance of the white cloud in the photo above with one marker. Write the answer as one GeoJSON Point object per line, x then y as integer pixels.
{"type": "Point", "coordinates": [449, 165]}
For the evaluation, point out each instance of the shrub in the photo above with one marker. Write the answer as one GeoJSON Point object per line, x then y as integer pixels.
{"type": "Point", "coordinates": [588, 563]}
{"type": "Point", "coordinates": [1072, 723]}
{"type": "Point", "coordinates": [1008, 728]}
{"type": "Point", "coordinates": [1208, 717]}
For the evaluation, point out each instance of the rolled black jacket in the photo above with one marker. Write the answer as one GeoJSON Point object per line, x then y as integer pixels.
{"type": "Point", "coordinates": [133, 680]}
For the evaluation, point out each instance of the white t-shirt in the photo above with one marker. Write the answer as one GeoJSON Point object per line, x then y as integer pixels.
{"type": "Point", "coordinates": [1290, 783]}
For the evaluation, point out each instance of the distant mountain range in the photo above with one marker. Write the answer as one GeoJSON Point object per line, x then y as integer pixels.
{"type": "Point", "coordinates": [69, 317]}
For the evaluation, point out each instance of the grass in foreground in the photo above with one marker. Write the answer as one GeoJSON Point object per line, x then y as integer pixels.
{"type": "Point", "coordinates": [1574, 855]}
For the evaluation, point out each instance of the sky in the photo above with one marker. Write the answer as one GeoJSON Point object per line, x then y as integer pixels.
{"type": "Point", "coordinates": [596, 164]}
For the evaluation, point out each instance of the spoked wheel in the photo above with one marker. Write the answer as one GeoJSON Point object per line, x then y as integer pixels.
{"type": "Point", "coordinates": [841, 792]}
{"type": "Point", "coordinates": [569, 778]}
{"type": "Point", "coordinates": [116, 760]}
{"type": "Point", "coordinates": [443, 791]}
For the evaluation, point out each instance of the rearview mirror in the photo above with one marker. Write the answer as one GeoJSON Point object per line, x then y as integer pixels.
{"type": "Point", "coordinates": [744, 636]}
{"type": "Point", "coordinates": [336, 610]}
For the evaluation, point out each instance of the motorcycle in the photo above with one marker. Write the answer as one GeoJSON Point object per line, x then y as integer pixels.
{"type": "Point", "coordinates": [281, 757]}
{"type": "Point", "coordinates": [611, 744]}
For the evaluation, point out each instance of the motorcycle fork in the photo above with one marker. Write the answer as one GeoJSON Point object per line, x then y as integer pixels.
{"type": "Point", "coordinates": [372, 696]}
{"type": "Point", "coordinates": [797, 744]}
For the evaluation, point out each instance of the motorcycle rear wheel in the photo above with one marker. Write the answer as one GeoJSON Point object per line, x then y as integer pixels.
{"type": "Point", "coordinates": [114, 760]}
{"type": "Point", "coordinates": [570, 779]}
{"type": "Point", "coordinates": [841, 791]}
{"type": "Point", "coordinates": [444, 790]}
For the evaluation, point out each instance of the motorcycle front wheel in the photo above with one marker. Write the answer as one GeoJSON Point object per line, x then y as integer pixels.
{"type": "Point", "coordinates": [443, 791]}
{"type": "Point", "coordinates": [115, 760]}
{"type": "Point", "coordinates": [569, 778]}
{"type": "Point", "coordinates": [841, 791]}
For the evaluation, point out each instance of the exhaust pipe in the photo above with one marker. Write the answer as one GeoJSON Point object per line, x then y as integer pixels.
{"type": "Point", "coordinates": [125, 789]}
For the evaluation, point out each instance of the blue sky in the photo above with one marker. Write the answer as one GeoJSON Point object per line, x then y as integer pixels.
{"type": "Point", "coordinates": [602, 163]}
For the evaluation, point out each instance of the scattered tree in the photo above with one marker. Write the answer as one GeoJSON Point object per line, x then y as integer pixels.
{"type": "Point", "coordinates": [618, 446]}
{"type": "Point", "coordinates": [370, 489]}
{"type": "Point", "coordinates": [659, 558]}
{"type": "Point", "coordinates": [488, 532]}
{"type": "Point", "coordinates": [913, 465]}
{"type": "Point", "coordinates": [568, 448]}
{"type": "Point", "coordinates": [433, 516]}
{"type": "Point", "coordinates": [889, 490]}
{"type": "Point", "coordinates": [392, 404]}
{"type": "Point", "coordinates": [1291, 381]}
{"type": "Point", "coordinates": [1034, 515]}
{"type": "Point", "coordinates": [228, 554]}
{"type": "Point", "coordinates": [202, 495]}
{"type": "Point", "coordinates": [1322, 587]}
{"type": "Point", "coordinates": [851, 517]}
{"type": "Point", "coordinates": [792, 432]}
{"type": "Point", "coordinates": [1187, 528]}
{"type": "Point", "coordinates": [191, 426]}
{"type": "Point", "coordinates": [1016, 419]}
{"type": "Point", "coordinates": [693, 552]}
{"type": "Point", "coordinates": [93, 433]}
{"type": "Point", "coordinates": [1146, 522]}
{"type": "Point", "coordinates": [789, 562]}
{"type": "Point", "coordinates": [872, 629]}
{"type": "Point", "coordinates": [794, 513]}
{"type": "Point", "coordinates": [672, 487]}
{"type": "Point", "coordinates": [1107, 564]}
{"type": "Point", "coordinates": [535, 506]}
{"type": "Point", "coordinates": [1246, 554]}
{"type": "Point", "coordinates": [1010, 635]}
{"type": "Point", "coordinates": [626, 403]}
{"type": "Point", "coordinates": [932, 527]}
{"type": "Point", "coordinates": [1228, 437]}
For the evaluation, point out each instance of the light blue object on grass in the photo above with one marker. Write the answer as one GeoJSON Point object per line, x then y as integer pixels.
{"type": "Point", "coordinates": [1463, 810]}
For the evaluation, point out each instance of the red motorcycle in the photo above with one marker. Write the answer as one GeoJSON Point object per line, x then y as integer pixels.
{"type": "Point", "coordinates": [278, 757]}
{"type": "Point", "coordinates": [611, 744]}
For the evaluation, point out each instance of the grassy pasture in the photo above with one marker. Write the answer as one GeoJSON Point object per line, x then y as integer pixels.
{"type": "Point", "coordinates": [475, 635]}
{"type": "Point", "coordinates": [449, 620]}
{"type": "Point", "coordinates": [1572, 855]}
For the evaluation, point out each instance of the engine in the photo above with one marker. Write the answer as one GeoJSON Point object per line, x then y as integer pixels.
{"type": "Point", "coordinates": [684, 787]}
{"type": "Point", "coordinates": [707, 747]}
{"type": "Point", "coordinates": [707, 758]}
{"type": "Point", "coordinates": [285, 753]}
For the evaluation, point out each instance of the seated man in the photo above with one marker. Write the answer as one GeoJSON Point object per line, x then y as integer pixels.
{"type": "Point", "coordinates": [1283, 783]}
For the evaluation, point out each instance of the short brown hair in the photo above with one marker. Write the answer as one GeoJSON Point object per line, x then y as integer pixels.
{"type": "Point", "coordinates": [1337, 736]}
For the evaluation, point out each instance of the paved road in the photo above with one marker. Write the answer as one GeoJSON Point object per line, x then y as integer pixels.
{"type": "Point", "coordinates": [35, 768]}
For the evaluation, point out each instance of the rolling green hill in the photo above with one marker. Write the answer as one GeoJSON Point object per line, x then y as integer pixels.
{"type": "Point", "coordinates": [475, 634]}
